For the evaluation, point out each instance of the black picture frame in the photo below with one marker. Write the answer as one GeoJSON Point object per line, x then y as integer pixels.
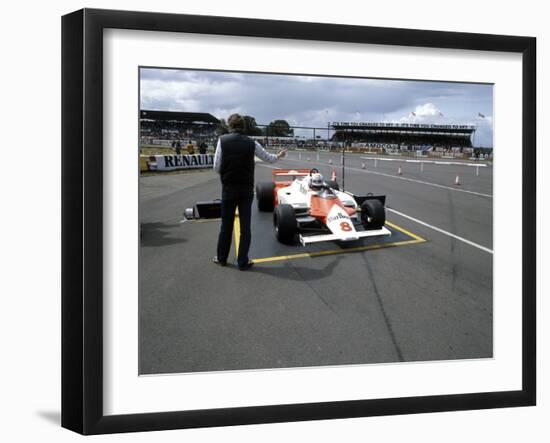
{"type": "Point", "coordinates": [82, 218]}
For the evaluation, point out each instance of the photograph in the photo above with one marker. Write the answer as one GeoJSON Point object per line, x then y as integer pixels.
{"type": "Point", "coordinates": [291, 220]}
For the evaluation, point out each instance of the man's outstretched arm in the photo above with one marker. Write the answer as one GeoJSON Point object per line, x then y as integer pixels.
{"type": "Point", "coordinates": [262, 154]}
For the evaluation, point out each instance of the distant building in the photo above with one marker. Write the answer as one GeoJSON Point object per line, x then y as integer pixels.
{"type": "Point", "coordinates": [406, 136]}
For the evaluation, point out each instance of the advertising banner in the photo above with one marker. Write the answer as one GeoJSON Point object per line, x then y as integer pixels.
{"type": "Point", "coordinates": [172, 162]}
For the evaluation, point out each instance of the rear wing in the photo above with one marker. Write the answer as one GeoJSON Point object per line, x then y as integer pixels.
{"type": "Point", "coordinates": [299, 172]}
{"type": "Point", "coordinates": [288, 175]}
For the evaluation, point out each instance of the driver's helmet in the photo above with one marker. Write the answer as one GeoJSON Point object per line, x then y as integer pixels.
{"type": "Point", "coordinates": [316, 181]}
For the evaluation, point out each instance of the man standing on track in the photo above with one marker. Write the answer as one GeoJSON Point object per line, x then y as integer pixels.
{"type": "Point", "coordinates": [234, 161]}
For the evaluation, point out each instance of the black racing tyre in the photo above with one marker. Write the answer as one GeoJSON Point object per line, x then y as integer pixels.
{"type": "Point", "coordinates": [332, 184]}
{"type": "Point", "coordinates": [373, 214]}
{"type": "Point", "coordinates": [265, 194]}
{"type": "Point", "coordinates": [284, 223]}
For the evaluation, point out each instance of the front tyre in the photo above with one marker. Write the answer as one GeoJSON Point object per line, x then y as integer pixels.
{"type": "Point", "coordinates": [284, 223]}
{"type": "Point", "coordinates": [265, 194]}
{"type": "Point", "coordinates": [373, 214]}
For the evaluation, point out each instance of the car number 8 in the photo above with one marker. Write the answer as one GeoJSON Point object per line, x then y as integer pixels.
{"type": "Point", "coordinates": [345, 226]}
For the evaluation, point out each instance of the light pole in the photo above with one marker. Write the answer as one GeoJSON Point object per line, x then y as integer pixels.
{"type": "Point", "coordinates": [328, 129]}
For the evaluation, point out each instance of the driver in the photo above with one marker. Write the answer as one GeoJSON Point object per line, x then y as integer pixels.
{"type": "Point", "coordinates": [316, 182]}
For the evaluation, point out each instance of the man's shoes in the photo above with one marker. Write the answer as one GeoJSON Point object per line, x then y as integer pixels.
{"type": "Point", "coordinates": [219, 262]}
{"type": "Point", "coordinates": [224, 263]}
{"type": "Point", "coordinates": [247, 266]}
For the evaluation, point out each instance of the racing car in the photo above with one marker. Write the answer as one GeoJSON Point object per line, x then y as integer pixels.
{"type": "Point", "coordinates": [304, 203]}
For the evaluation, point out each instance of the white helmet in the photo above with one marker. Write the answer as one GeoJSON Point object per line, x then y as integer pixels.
{"type": "Point", "coordinates": [316, 180]}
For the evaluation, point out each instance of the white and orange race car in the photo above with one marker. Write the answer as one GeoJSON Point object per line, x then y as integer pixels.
{"type": "Point", "coordinates": [315, 210]}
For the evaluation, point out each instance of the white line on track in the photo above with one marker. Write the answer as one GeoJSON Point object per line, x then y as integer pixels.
{"type": "Point", "coordinates": [480, 194]}
{"type": "Point", "coordinates": [442, 231]}
{"type": "Point", "coordinates": [266, 165]}
{"type": "Point", "coordinates": [423, 223]}
{"type": "Point", "coordinates": [435, 162]}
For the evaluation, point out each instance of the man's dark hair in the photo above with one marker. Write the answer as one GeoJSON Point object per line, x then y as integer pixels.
{"type": "Point", "coordinates": [236, 122]}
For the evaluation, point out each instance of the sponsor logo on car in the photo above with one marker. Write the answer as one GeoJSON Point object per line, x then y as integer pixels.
{"type": "Point", "coordinates": [338, 216]}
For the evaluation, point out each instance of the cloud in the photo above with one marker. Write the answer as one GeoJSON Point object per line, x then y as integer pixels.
{"type": "Point", "coordinates": [426, 113]}
{"type": "Point", "coordinates": [315, 100]}
{"type": "Point", "coordinates": [430, 114]}
{"type": "Point", "coordinates": [484, 131]}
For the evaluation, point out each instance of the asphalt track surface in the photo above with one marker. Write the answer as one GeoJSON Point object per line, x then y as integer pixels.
{"type": "Point", "coordinates": [424, 294]}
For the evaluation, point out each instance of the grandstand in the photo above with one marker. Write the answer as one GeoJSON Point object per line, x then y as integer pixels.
{"type": "Point", "coordinates": [165, 129]}
{"type": "Point", "coordinates": [162, 127]}
{"type": "Point", "coordinates": [406, 136]}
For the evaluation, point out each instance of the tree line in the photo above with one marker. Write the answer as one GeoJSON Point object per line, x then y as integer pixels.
{"type": "Point", "coordinates": [277, 128]}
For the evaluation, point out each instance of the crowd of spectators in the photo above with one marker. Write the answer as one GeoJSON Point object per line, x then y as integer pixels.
{"type": "Point", "coordinates": [167, 130]}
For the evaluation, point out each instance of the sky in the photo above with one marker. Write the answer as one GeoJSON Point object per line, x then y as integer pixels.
{"type": "Point", "coordinates": [314, 101]}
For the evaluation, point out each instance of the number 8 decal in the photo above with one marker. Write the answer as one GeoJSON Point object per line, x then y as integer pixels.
{"type": "Point", "coordinates": [345, 226]}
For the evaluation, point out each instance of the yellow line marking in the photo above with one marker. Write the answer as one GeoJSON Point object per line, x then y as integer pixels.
{"type": "Point", "coordinates": [237, 231]}
{"type": "Point", "coordinates": [337, 251]}
{"type": "Point", "coordinates": [416, 239]}
{"type": "Point", "coordinates": [404, 231]}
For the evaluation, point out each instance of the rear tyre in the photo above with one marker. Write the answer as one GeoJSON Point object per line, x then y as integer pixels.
{"type": "Point", "coordinates": [265, 194]}
{"type": "Point", "coordinates": [284, 223]}
{"type": "Point", "coordinates": [373, 214]}
{"type": "Point", "coordinates": [333, 184]}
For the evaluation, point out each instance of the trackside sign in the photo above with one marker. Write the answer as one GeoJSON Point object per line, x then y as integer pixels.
{"type": "Point", "coordinates": [171, 162]}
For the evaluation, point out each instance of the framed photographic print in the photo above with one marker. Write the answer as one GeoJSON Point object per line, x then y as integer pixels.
{"type": "Point", "coordinates": [269, 221]}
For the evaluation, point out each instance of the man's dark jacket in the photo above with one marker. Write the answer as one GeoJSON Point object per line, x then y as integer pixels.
{"type": "Point", "coordinates": [237, 161]}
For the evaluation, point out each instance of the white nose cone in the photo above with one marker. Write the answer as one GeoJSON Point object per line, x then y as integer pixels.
{"type": "Point", "coordinates": [339, 222]}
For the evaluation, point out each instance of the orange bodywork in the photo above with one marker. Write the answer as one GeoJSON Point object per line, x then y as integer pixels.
{"type": "Point", "coordinates": [320, 206]}
{"type": "Point", "coordinates": [282, 178]}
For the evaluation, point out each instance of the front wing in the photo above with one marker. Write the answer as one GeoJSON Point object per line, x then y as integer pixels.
{"type": "Point", "coordinates": [305, 240]}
